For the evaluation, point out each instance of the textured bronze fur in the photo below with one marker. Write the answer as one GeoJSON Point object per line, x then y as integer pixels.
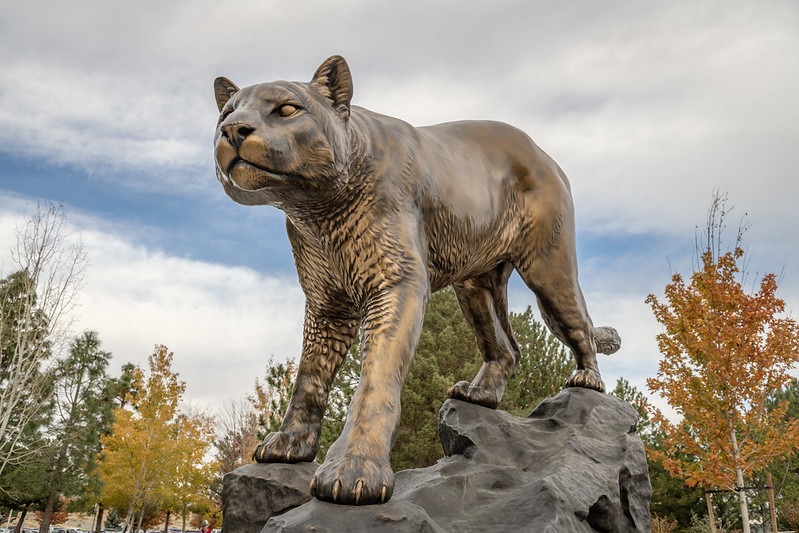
{"type": "Point", "coordinates": [379, 215]}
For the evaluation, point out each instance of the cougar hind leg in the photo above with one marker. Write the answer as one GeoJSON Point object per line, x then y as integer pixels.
{"type": "Point", "coordinates": [484, 302]}
{"type": "Point", "coordinates": [552, 276]}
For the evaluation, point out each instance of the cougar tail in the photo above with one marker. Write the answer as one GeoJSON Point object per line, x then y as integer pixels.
{"type": "Point", "coordinates": [607, 340]}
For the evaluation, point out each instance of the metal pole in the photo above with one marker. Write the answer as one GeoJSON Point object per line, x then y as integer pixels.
{"type": "Point", "coordinates": [94, 517]}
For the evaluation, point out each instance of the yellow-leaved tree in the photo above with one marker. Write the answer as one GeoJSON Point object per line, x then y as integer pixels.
{"type": "Point", "coordinates": [726, 352]}
{"type": "Point", "coordinates": [189, 489]}
{"type": "Point", "coordinates": [154, 455]}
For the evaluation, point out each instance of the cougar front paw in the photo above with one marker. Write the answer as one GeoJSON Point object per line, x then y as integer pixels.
{"type": "Point", "coordinates": [463, 390]}
{"type": "Point", "coordinates": [280, 447]}
{"type": "Point", "coordinates": [586, 379]}
{"type": "Point", "coordinates": [353, 480]}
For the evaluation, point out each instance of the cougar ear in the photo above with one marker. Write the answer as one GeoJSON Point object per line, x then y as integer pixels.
{"type": "Point", "coordinates": [223, 90]}
{"type": "Point", "coordinates": [334, 81]}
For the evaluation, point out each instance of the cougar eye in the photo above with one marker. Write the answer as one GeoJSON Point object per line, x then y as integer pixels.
{"type": "Point", "coordinates": [286, 110]}
{"type": "Point", "coordinates": [225, 112]}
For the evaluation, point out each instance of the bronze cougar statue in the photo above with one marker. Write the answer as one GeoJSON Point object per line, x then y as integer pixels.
{"type": "Point", "coordinates": [379, 215]}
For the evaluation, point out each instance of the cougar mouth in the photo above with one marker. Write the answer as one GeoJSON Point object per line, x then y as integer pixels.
{"type": "Point", "coordinates": [251, 176]}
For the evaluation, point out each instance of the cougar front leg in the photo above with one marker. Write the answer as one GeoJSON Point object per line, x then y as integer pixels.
{"type": "Point", "coordinates": [357, 469]}
{"type": "Point", "coordinates": [326, 342]}
{"type": "Point", "coordinates": [484, 302]}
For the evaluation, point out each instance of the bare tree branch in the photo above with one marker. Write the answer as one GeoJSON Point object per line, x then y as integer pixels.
{"type": "Point", "coordinates": [36, 302]}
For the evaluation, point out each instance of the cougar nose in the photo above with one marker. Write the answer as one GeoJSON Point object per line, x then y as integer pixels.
{"type": "Point", "coordinates": [236, 132]}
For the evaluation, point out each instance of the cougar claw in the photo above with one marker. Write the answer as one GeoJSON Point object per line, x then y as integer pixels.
{"type": "Point", "coordinates": [353, 480]}
{"type": "Point", "coordinates": [586, 379]}
{"type": "Point", "coordinates": [359, 491]}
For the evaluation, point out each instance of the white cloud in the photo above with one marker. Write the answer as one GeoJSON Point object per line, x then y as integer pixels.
{"type": "Point", "coordinates": [647, 107]}
{"type": "Point", "coordinates": [222, 323]}
{"type": "Point", "coordinates": [91, 120]}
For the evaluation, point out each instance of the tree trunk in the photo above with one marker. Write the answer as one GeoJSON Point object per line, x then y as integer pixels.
{"type": "Point", "coordinates": [21, 520]}
{"type": "Point", "coordinates": [141, 517]}
{"type": "Point", "coordinates": [55, 486]}
{"type": "Point", "coordinates": [166, 523]}
{"type": "Point", "coordinates": [128, 520]}
{"type": "Point", "coordinates": [739, 481]}
{"type": "Point", "coordinates": [47, 514]}
{"type": "Point", "coordinates": [99, 525]}
{"type": "Point", "coordinates": [711, 516]}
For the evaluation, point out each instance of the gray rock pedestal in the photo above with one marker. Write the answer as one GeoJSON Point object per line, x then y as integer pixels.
{"type": "Point", "coordinates": [575, 464]}
{"type": "Point", "coordinates": [253, 493]}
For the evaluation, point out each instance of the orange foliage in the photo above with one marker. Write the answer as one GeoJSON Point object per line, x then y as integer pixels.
{"type": "Point", "coordinates": [60, 514]}
{"type": "Point", "coordinates": [725, 353]}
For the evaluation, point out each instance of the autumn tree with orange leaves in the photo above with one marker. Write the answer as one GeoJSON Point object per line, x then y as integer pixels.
{"type": "Point", "coordinates": [726, 353]}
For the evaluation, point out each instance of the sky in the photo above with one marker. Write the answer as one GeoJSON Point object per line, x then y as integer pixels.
{"type": "Point", "coordinates": [107, 108]}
